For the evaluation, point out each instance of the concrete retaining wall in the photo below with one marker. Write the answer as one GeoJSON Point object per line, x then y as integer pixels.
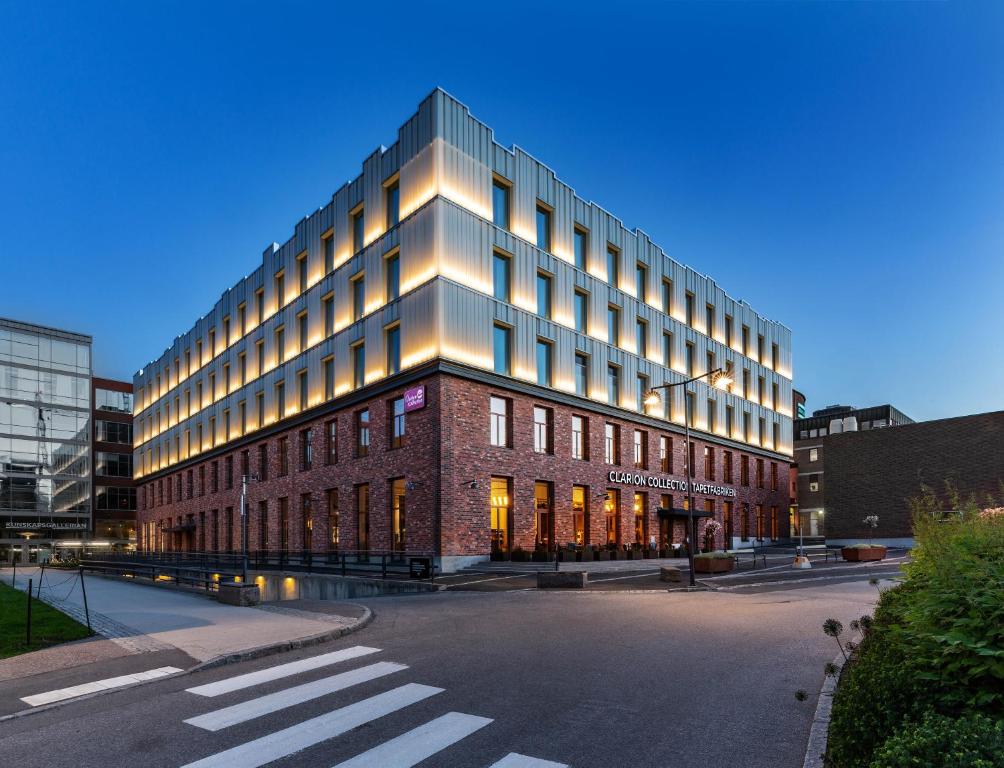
{"type": "Point", "coordinates": [301, 586]}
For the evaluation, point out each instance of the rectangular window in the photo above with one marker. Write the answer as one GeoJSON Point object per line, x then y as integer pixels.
{"type": "Point", "coordinates": [640, 449]}
{"type": "Point", "coordinates": [688, 358]}
{"type": "Point", "coordinates": [307, 520]}
{"type": "Point", "coordinates": [744, 470]}
{"type": "Point", "coordinates": [260, 350]}
{"type": "Point", "coordinates": [773, 395]}
{"type": "Point", "coordinates": [641, 389]}
{"type": "Point", "coordinates": [729, 419]}
{"type": "Point", "coordinates": [329, 377]}
{"type": "Point", "coordinates": [581, 309]}
{"type": "Point", "coordinates": [613, 325]}
{"type": "Point", "coordinates": [611, 508]}
{"type": "Point", "coordinates": [544, 295]}
{"type": "Point", "coordinates": [328, 310]}
{"type": "Point", "coordinates": [500, 204]}
{"type": "Point", "coordinates": [392, 199]}
{"type": "Point", "coordinates": [712, 414]}
{"type": "Point", "coordinates": [727, 467]}
{"type": "Point", "coordinates": [499, 408]}
{"type": "Point", "coordinates": [263, 461]}
{"type": "Point", "coordinates": [398, 515]}
{"type": "Point", "coordinates": [301, 380]}
{"type": "Point", "coordinates": [280, 344]}
{"type": "Point", "coordinates": [774, 356]}
{"type": "Point", "coordinates": [280, 399]}
{"type": "Point", "coordinates": [709, 463]}
{"type": "Point", "coordinates": [759, 348]}
{"type": "Point", "coordinates": [280, 289]}
{"type": "Point", "coordinates": [746, 383]}
{"type": "Point", "coordinates": [542, 440]}
{"type": "Point", "coordinates": [358, 286]}
{"type": "Point", "coordinates": [581, 374]}
{"type": "Point", "coordinates": [709, 320]}
{"type": "Point", "coordinates": [613, 265]}
{"type": "Point", "coordinates": [773, 476]}
{"type": "Point", "coordinates": [762, 430]}
{"type": "Point", "coordinates": [301, 271]}
{"type": "Point", "coordinates": [689, 305]}
{"type": "Point", "coordinates": [306, 449]}
{"type": "Point", "coordinates": [611, 443]}
{"type": "Point", "coordinates": [580, 514]}
{"type": "Point", "coordinates": [358, 222]}
{"type": "Point", "coordinates": [613, 384]}
{"type": "Point", "coordinates": [397, 423]}
{"type": "Point", "coordinates": [777, 435]}
{"type": "Point", "coordinates": [667, 349]}
{"type": "Point", "coordinates": [260, 399]}
{"type": "Point", "coordinates": [502, 349]}
{"type": "Point", "coordinates": [500, 277]}
{"type": "Point", "coordinates": [641, 281]}
{"type": "Point", "coordinates": [242, 368]}
{"type": "Point", "coordinates": [665, 454]}
{"type": "Point", "coordinates": [641, 337]}
{"type": "Point", "coordinates": [301, 321]}
{"type": "Point", "coordinates": [543, 227]}
{"type": "Point", "coordinates": [501, 495]}
{"type": "Point", "coordinates": [581, 247]}
{"type": "Point", "coordinates": [667, 296]}
{"type": "Point", "coordinates": [358, 365]}
{"type": "Point", "coordinates": [746, 340]}
{"type": "Point", "coordinates": [728, 330]}
{"type": "Point", "coordinates": [284, 524]}
{"type": "Point", "coordinates": [328, 246]}
{"type": "Point", "coordinates": [363, 433]}
{"type": "Point", "coordinates": [543, 363]}
{"type": "Point", "coordinates": [334, 529]}
{"type": "Point", "coordinates": [331, 435]}
{"type": "Point", "coordinates": [393, 346]}
{"type": "Point", "coordinates": [283, 456]}
{"type": "Point", "coordinates": [212, 350]}
{"type": "Point", "coordinates": [759, 473]}
{"type": "Point", "coordinates": [580, 438]}
{"type": "Point", "coordinates": [260, 305]}
{"type": "Point", "coordinates": [392, 275]}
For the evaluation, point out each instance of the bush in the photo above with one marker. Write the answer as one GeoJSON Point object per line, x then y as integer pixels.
{"type": "Point", "coordinates": [719, 555]}
{"type": "Point", "coordinates": [939, 742]}
{"type": "Point", "coordinates": [937, 641]}
{"type": "Point", "coordinates": [865, 546]}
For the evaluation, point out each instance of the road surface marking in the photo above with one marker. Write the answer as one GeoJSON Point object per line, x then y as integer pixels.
{"type": "Point", "coordinates": [280, 744]}
{"type": "Point", "coordinates": [850, 576]}
{"type": "Point", "coordinates": [288, 697]}
{"type": "Point", "coordinates": [98, 685]}
{"type": "Point", "coordinates": [619, 578]}
{"type": "Point", "coordinates": [239, 682]}
{"type": "Point", "coordinates": [513, 760]}
{"type": "Point", "coordinates": [496, 578]}
{"type": "Point", "coordinates": [420, 743]}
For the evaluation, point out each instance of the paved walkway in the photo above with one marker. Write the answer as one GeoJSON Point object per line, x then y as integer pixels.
{"type": "Point", "coordinates": [143, 618]}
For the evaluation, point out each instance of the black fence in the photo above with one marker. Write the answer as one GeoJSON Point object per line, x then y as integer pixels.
{"type": "Point", "coordinates": [383, 564]}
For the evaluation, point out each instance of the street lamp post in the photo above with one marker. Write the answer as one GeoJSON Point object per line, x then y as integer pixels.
{"type": "Point", "coordinates": [720, 379]}
{"type": "Point", "coordinates": [244, 526]}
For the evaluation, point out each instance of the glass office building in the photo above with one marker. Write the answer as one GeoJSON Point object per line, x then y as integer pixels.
{"type": "Point", "coordinates": [45, 442]}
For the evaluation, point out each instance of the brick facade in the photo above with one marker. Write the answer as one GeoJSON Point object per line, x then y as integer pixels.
{"type": "Point", "coordinates": [447, 462]}
{"type": "Point", "coordinates": [876, 472]}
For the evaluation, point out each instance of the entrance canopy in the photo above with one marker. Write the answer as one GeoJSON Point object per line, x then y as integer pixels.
{"type": "Point", "coordinates": [677, 512]}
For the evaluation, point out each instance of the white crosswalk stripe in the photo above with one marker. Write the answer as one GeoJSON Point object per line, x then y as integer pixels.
{"type": "Point", "coordinates": [288, 741]}
{"type": "Point", "coordinates": [288, 697]}
{"type": "Point", "coordinates": [282, 670]}
{"type": "Point", "coordinates": [416, 745]}
{"type": "Point", "coordinates": [513, 760]}
{"type": "Point", "coordinates": [61, 694]}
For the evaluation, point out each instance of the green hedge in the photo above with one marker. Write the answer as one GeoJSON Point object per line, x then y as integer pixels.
{"type": "Point", "coordinates": [936, 644]}
{"type": "Point", "coordinates": [965, 742]}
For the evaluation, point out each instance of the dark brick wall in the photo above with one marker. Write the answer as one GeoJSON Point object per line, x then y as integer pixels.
{"type": "Point", "coordinates": [875, 472]}
{"type": "Point", "coordinates": [447, 446]}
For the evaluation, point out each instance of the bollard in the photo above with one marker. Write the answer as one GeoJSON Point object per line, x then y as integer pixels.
{"type": "Point", "coordinates": [28, 632]}
{"type": "Point", "coordinates": [83, 589]}
{"type": "Point", "coordinates": [40, 577]}
{"type": "Point", "coordinates": [13, 579]}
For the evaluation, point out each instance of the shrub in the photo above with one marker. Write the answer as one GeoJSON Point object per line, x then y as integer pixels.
{"type": "Point", "coordinates": [865, 546]}
{"type": "Point", "coordinates": [938, 742]}
{"type": "Point", "coordinates": [718, 555]}
{"type": "Point", "coordinates": [936, 644]}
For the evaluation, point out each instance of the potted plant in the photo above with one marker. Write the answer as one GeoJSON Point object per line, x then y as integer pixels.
{"type": "Point", "coordinates": [711, 529]}
{"type": "Point", "coordinates": [856, 553]}
{"type": "Point", "coordinates": [713, 562]}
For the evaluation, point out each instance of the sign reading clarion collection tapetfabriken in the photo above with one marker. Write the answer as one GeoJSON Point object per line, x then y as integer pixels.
{"type": "Point", "coordinates": [414, 398]}
{"type": "Point", "coordinates": [669, 483]}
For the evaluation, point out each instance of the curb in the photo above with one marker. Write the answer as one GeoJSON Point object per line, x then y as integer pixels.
{"type": "Point", "coordinates": [218, 661]}
{"type": "Point", "coordinates": [816, 746]}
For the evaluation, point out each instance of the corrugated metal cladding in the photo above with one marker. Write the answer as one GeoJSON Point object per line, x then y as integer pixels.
{"type": "Point", "coordinates": [443, 164]}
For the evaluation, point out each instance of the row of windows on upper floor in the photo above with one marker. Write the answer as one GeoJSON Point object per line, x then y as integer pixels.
{"type": "Point", "coordinates": [501, 208]}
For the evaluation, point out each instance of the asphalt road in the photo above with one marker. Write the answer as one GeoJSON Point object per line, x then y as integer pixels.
{"type": "Point", "coordinates": [582, 679]}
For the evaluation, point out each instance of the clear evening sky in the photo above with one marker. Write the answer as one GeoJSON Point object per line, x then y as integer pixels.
{"type": "Point", "coordinates": [838, 165]}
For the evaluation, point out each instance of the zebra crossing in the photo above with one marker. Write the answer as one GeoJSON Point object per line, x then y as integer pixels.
{"type": "Point", "coordinates": [404, 750]}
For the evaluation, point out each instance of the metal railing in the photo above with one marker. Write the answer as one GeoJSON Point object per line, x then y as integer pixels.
{"type": "Point", "coordinates": [381, 563]}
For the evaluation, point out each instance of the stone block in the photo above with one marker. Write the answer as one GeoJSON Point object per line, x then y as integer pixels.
{"type": "Point", "coordinates": [235, 593]}
{"type": "Point", "coordinates": [669, 573]}
{"type": "Point", "coordinates": [562, 579]}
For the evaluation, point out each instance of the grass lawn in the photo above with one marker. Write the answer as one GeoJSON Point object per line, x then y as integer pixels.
{"type": "Point", "coordinates": [48, 626]}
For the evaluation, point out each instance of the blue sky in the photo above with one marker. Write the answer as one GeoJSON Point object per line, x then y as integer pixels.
{"type": "Point", "coordinates": [838, 165]}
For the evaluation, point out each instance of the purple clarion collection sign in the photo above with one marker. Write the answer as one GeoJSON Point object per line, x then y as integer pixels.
{"type": "Point", "coordinates": [414, 398]}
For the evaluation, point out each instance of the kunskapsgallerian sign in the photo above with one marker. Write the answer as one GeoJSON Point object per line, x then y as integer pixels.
{"type": "Point", "coordinates": [46, 526]}
{"type": "Point", "coordinates": [669, 483]}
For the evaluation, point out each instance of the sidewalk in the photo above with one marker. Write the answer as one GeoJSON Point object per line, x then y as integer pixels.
{"type": "Point", "coordinates": [143, 618]}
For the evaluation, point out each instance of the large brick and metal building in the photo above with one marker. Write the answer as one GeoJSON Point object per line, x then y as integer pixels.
{"type": "Point", "coordinates": [810, 449]}
{"type": "Point", "coordinates": [451, 356]}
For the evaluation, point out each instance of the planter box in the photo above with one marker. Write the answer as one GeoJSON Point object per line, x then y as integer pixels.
{"type": "Point", "coordinates": [235, 593]}
{"type": "Point", "coordinates": [863, 554]}
{"type": "Point", "coordinates": [713, 564]}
